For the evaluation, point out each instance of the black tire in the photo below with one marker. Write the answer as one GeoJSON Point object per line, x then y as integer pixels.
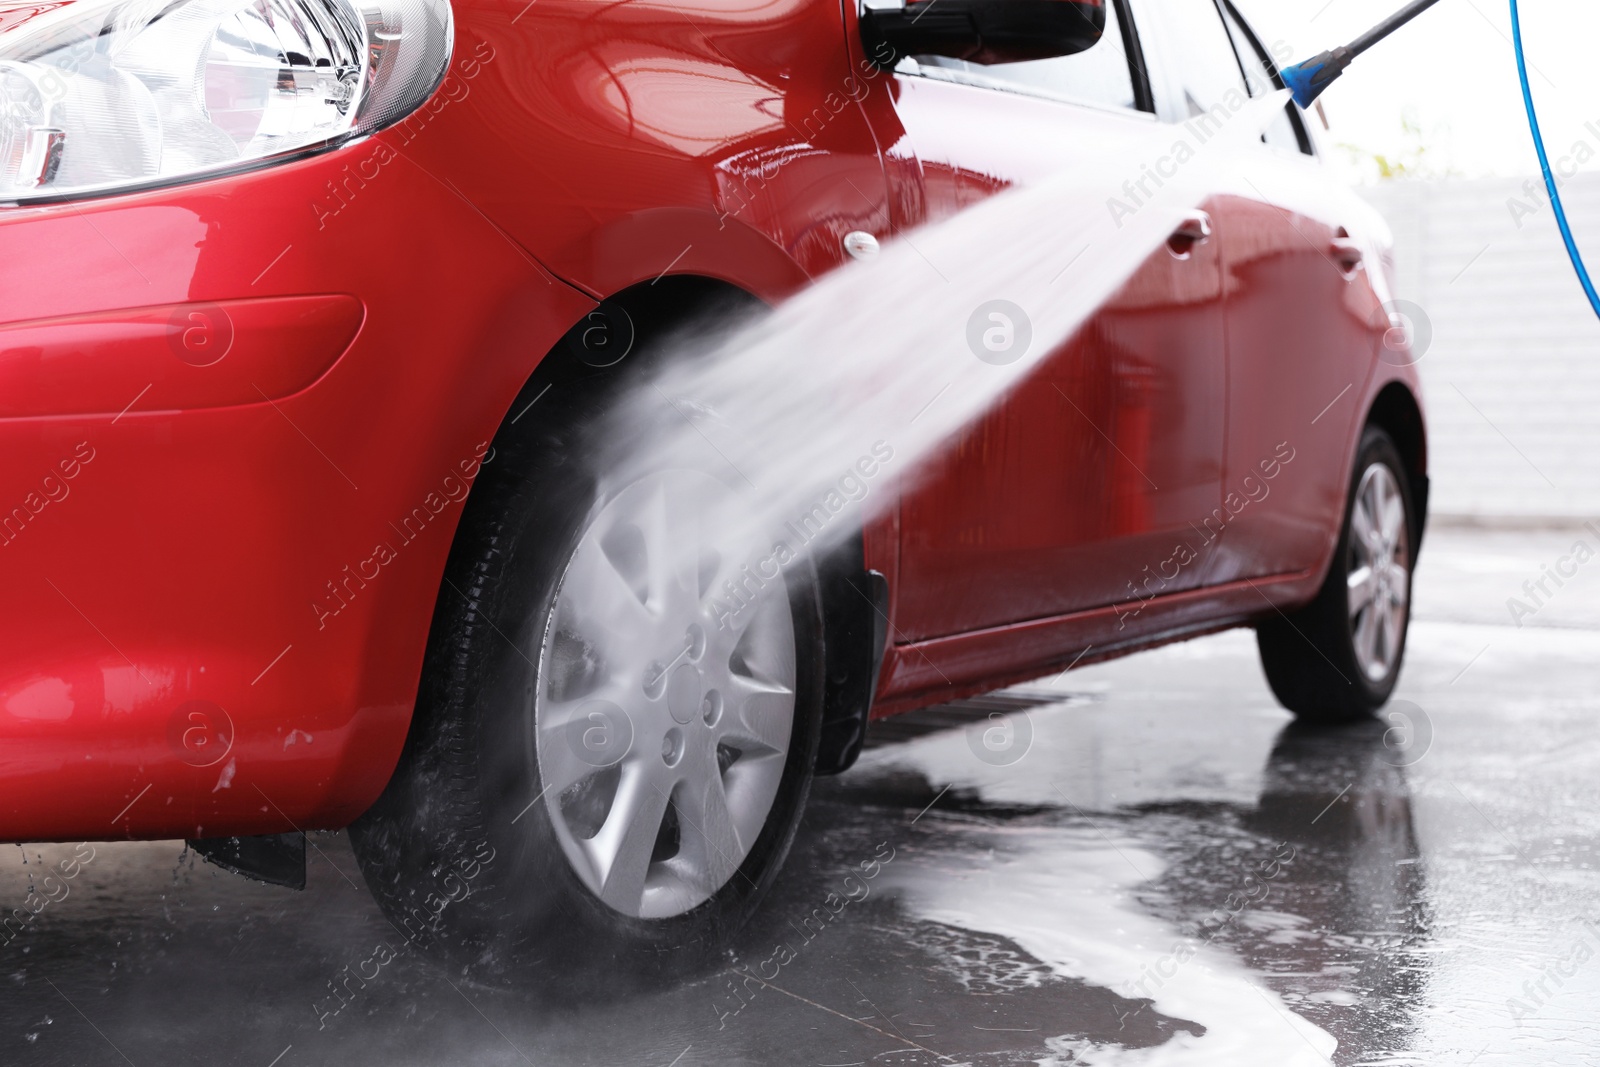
{"type": "Point", "coordinates": [1310, 655]}
{"type": "Point", "coordinates": [459, 853]}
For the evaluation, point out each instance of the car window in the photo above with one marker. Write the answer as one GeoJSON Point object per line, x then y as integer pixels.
{"type": "Point", "coordinates": [1102, 74]}
{"type": "Point", "coordinates": [1286, 132]}
{"type": "Point", "coordinates": [1205, 60]}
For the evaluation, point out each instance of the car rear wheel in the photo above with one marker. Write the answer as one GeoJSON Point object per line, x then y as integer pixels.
{"type": "Point", "coordinates": [617, 760]}
{"type": "Point", "coordinates": [1339, 657]}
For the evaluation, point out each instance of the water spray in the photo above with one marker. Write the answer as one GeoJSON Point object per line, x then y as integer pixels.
{"type": "Point", "coordinates": [829, 383]}
{"type": "Point", "coordinates": [1307, 81]}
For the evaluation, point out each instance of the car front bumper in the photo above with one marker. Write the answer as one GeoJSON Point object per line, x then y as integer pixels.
{"type": "Point", "coordinates": [237, 422]}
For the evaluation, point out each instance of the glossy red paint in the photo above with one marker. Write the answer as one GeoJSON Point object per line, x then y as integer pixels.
{"type": "Point", "coordinates": [1301, 377]}
{"type": "Point", "coordinates": [220, 575]}
{"type": "Point", "coordinates": [1112, 446]}
{"type": "Point", "coordinates": [87, 364]}
{"type": "Point", "coordinates": [1181, 465]}
{"type": "Point", "coordinates": [159, 554]}
{"type": "Point", "coordinates": [622, 142]}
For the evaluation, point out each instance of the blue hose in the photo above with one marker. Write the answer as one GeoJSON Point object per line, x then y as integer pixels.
{"type": "Point", "coordinates": [1544, 165]}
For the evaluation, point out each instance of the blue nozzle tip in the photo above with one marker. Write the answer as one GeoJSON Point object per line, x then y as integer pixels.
{"type": "Point", "coordinates": [1302, 81]}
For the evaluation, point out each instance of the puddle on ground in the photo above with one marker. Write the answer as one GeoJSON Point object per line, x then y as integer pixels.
{"type": "Point", "coordinates": [1169, 876]}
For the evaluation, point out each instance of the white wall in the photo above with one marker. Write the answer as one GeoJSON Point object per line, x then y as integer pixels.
{"type": "Point", "coordinates": [1512, 377]}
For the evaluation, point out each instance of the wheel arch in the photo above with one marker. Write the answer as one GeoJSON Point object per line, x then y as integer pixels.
{"type": "Point", "coordinates": [1396, 411]}
{"type": "Point", "coordinates": [854, 599]}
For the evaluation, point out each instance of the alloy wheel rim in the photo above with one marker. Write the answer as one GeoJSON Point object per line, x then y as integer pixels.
{"type": "Point", "coordinates": [662, 718]}
{"type": "Point", "coordinates": [1378, 577]}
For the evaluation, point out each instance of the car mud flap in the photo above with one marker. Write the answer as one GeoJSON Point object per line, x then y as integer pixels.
{"type": "Point", "coordinates": [1420, 486]}
{"type": "Point", "coordinates": [276, 859]}
{"type": "Point", "coordinates": [855, 611]}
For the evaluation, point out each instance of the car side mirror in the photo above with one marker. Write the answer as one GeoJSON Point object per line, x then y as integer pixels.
{"type": "Point", "coordinates": [980, 31]}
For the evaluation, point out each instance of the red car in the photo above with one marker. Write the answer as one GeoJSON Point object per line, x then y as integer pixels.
{"type": "Point", "coordinates": [312, 311]}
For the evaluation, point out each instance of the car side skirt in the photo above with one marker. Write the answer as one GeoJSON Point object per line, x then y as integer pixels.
{"type": "Point", "coordinates": [940, 669]}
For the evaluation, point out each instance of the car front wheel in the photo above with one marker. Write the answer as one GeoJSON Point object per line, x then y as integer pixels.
{"type": "Point", "coordinates": [616, 751]}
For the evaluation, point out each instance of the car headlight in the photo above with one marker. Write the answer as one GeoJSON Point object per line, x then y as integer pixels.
{"type": "Point", "coordinates": [102, 96]}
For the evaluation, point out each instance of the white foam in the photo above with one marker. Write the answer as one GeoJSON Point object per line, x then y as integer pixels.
{"type": "Point", "coordinates": [1066, 896]}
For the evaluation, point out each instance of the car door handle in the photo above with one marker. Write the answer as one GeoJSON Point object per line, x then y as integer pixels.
{"type": "Point", "coordinates": [1346, 256]}
{"type": "Point", "coordinates": [1193, 231]}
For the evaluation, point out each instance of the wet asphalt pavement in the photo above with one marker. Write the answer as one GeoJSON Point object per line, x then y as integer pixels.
{"type": "Point", "coordinates": [1138, 863]}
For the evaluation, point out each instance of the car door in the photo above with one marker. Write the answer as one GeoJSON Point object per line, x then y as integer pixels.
{"type": "Point", "coordinates": [1074, 491]}
{"type": "Point", "coordinates": [1303, 322]}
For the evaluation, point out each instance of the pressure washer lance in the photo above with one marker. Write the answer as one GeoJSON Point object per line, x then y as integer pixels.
{"type": "Point", "coordinates": [1307, 80]}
